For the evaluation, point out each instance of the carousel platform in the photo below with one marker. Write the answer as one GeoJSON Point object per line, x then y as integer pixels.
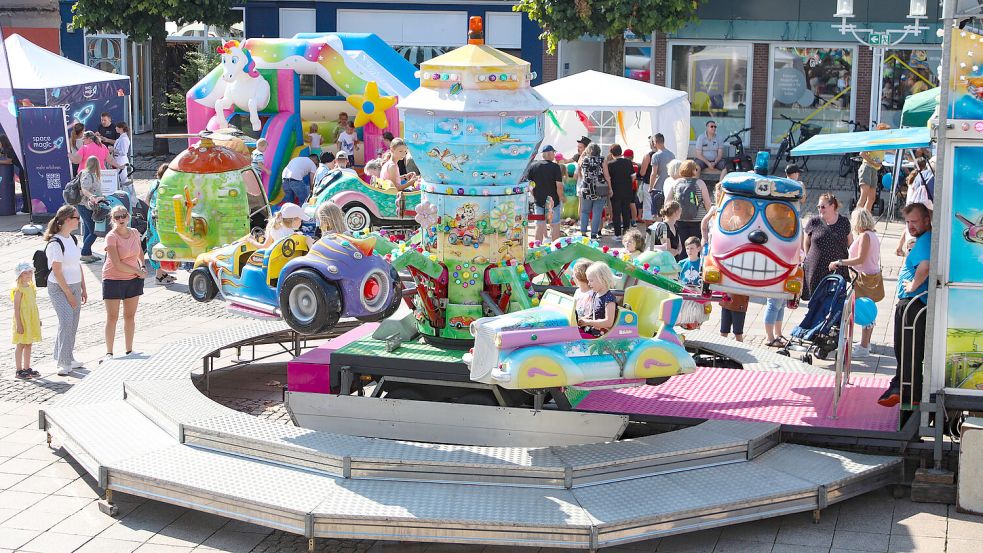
{"type": "Point", "coordinates": [141, 426]}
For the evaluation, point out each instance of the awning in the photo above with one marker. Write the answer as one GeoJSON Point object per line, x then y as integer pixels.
{"type": "Point", "coordinates": [919, 108]}
{"type": "Point", "coordinates": [841, 143]}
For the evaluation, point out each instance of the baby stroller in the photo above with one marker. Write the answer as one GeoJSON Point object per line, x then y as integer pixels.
{"type": "Point", "coordinates": [819, 331]}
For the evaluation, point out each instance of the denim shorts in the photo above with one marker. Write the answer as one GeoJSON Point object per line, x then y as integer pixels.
{"type": "Point", "coordinates": [295, 191]}
{"type": "Point", "coordinates": [557, 213]}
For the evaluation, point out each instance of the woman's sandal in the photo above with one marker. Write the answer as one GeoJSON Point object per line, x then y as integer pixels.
{"type": "Point", "coordinates": [165, 279]}
{"type": "Point", "coordinates": [776, 342]}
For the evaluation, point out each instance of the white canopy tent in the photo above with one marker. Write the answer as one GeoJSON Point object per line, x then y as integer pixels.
{"type": "Point", "coordinates": [646, 109]}
{"type": "Point", "coordinates": [34, 69]}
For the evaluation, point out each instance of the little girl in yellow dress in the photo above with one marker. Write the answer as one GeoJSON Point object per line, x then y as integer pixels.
{"type": "Point", "coordinates": [26, 323]}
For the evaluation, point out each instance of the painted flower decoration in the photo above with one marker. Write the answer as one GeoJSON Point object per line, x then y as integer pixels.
{"type": "Point", "coordinates": [502, 216]}
{"type": "Point", "coordinates": [426, 214]}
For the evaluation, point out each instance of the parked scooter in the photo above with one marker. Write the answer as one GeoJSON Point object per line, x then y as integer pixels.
{"type": "Point", "coordinates": [741, 160]}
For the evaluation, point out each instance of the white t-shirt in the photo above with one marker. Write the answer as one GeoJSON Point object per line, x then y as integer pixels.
{"type": "Point", "coordinates": [667, 186]}
{"type": "Point", "coordinates": [70, 259]}
{"type": "Point", "coordinates": [121, 150]}
{"type": "Point", "coordinates": [315, 141]}
{"type": "Point", "coordinates": [280, 233]}
{"type": "Point", "coordinates": [298, 168]}
{"type": "Point", "coordinates": [347, 142]}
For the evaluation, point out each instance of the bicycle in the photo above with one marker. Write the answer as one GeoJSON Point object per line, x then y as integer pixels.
{"type": "Point", "coordinates": [847, 163]}
{"type": "Point", "coordinates": [806, 132]}
{"type": "Point", "coordinates": [741, 160]}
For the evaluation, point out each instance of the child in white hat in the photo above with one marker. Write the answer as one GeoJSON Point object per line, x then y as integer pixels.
{"type": "Point", "coordinates": [27, 322]}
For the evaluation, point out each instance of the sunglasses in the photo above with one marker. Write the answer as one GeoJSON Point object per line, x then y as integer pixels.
{"type": "Point", "coordinates": [713, 126]}
{"type": "Point", "coordinates": [121, 217]}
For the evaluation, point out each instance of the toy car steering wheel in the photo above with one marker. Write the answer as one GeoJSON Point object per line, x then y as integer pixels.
{"type": "Point", "coordinates": [289, 247]}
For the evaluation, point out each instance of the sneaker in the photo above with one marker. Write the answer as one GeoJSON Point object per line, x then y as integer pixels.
{"type": "Point", "coordinates": [860, 352]}
{"type": "Point", "coordinates": [108, 357]}
{"type": "Point", "coordinates": [76, 364]}
{"type": "Point", "coordinates": [64, 371]}
{"type": "Point", "coordinates": [24, 374]}
{"type": "Point", "coordinates": [890, 397]}
{"type": "Point", "coordinates": [88, 259]}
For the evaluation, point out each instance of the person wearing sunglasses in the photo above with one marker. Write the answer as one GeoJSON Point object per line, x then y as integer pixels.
{"type": "Point", "coordinates": [710, 151]}
{"type": "Point", "coordinates": [122, 278]}
{"type": "Point", "coordinates": [66, 284]}
{"type": "Point", "coordinates": [827, 239]}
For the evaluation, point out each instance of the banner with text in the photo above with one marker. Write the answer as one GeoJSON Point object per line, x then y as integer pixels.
{"type": "Point", "coordinates": [45, 156]}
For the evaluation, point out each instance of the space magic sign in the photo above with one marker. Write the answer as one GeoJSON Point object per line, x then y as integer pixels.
{"type": "Point", "coordinates": [46, 160]}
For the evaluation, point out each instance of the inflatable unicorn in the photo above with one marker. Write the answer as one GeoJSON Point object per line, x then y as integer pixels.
{"type": "Point", "coordinates": [245, 88]}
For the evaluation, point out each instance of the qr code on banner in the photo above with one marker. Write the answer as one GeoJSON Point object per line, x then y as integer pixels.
{"type": "Point", "coordinates": [54, 181]}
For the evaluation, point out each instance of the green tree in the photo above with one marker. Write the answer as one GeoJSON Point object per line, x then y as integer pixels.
{"type": "Point", "coordinates": [572, 19]}
{"type": "Point", "coordinates": [197, 64]}
{"type": "Point", "coordinates": [141, 20]}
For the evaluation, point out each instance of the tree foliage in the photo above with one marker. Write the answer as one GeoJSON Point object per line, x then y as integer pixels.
{"type": "Point", "coordinates": [141, 20]}
{"type": "Point", "coordinates": [197, 64]}
{"type": "Point", "coordinates": [572, 19]}
{"type": "Point", "coordinates": [144, 19]}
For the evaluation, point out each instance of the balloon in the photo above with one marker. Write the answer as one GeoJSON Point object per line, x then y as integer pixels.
{"type": "Point", "coordinates": [864, 311]}
{"type": "Point", "coordinates": [888, 181]}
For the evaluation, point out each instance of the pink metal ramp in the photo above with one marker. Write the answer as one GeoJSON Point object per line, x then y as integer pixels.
{"type": "Point", "coordinates": [780, 397]}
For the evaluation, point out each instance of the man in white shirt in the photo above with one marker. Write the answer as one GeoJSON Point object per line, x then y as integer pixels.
{"type": "Point", "coordinates": [295, 190]}
{"type": "Point", "coordinates": [710, 151]}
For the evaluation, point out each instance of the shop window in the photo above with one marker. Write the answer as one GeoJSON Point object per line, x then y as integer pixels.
{"type": "Point", "coordinates": [104, 53]}
{"type": "Point", "coordinates": [638, 60]}
{"type": "Point", "coordinates": [716, 79]}
{"type": "Point", "coordinates": [906, 72]}
{"type": "Point", "coordinates": [813, 85]}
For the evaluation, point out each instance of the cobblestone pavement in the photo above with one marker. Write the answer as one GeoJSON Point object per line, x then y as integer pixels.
{"type": "Point", "coordinates": [47, 502]}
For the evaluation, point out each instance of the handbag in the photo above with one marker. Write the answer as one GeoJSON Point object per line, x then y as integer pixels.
{"type": "Point", "coordinates": [870, 286]}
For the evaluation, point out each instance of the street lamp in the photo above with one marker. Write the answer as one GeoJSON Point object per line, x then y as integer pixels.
{"type": "Point", "coordinates": [879, 41]}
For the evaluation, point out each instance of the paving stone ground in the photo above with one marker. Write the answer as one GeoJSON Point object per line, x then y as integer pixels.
{"type": "Point", "coordinates": [48, 503]}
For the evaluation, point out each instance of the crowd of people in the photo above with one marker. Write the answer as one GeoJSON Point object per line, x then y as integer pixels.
{"type": "Point", "coordinates": [662, 196]}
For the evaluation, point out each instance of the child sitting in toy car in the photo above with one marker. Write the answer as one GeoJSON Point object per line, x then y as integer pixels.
{"type": "Point", "coordinates": [597, 313]}
{"type": "Point", "coordinates": [285, 223]}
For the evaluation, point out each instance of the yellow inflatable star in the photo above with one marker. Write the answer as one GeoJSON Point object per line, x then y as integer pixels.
{"type": "Point", "coordinates": [371, 106]}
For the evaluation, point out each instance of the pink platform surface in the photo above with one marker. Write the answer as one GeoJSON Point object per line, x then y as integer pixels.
{"type": "Point", "coordinates": [728, 394]}
{"type": "Point", "coordinates": [308, 372]}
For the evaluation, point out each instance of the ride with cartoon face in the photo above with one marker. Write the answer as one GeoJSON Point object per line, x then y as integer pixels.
{"type": "Point", "coordinates": [756, 238]}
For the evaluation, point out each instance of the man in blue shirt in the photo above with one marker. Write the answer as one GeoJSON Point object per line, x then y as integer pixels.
{"type": "Point", "coordinates": [909, 344]}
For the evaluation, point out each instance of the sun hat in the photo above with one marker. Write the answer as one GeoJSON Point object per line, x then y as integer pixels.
{"type": "Point", "coordinates": [293, 211]}
{"type": "Point", "coordinates": [23, 267]}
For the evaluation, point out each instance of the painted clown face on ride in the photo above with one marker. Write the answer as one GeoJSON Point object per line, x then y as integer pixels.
{"type": "Point", "coordinates": [756, 237]}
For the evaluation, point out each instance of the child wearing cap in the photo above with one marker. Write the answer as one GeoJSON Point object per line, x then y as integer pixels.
{"type": "Point", "coordinates": [285, 223]}
{"type": "Point", "coordinates": [27, 322]}
{"type": "Point", "coordinates": [793, 172]}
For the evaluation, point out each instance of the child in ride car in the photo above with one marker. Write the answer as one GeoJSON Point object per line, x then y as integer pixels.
{"type": "Point", "coordinates": [601, 302]}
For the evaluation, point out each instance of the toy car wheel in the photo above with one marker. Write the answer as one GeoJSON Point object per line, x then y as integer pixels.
{"type": "Point", "coordinates": [358, 218]}
{"type": "Point", "coordinates": [467, 240]}
{"type": "Point", "coordinates": [452, 238]}
{"type": "Point", "coordinates": [308, 303]}
{"type": "Point", "coordinates": [394, 300]}
{"type": "Point", "coordinates": [201, 285]}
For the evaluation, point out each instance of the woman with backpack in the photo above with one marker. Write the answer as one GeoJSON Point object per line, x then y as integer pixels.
{"type": "Point", "coordinates": [593, 190]}
{"type": "Point", "coordinates": [691, 193]}
{"type": "Point", "coordinates": [66, 284]}
{"type": "Point", "coordinates": [665, 233]}
{"type": "Point", "coordinates": [91, 186]}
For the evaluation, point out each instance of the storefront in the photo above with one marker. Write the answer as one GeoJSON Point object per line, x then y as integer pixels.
{"type": "Point", "coordinates": [754, 64]}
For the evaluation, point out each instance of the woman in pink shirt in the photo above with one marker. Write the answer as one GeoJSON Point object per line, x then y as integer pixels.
{"type": "Point", "coordinates": [92, 147]}
{"type": "Point", "coordinates": [122, 278]}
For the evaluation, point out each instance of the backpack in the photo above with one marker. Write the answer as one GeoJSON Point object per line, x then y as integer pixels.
{"type": "Point", "coordinates": [73, 191]}
{"type": "Point", "coordinates": [41, 268]}
{"type": "Point", "coordinates": [690, 198]}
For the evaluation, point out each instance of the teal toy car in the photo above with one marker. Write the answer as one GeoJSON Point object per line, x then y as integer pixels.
{"type": "Point", "coordinates": [365, 204]}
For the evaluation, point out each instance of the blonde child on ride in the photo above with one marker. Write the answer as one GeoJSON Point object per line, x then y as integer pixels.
{"type": "Point", "coordinates": [27, 322]}
{"type": "Point", "coordinates": [602, 306]}
{"type": "Point", "coordinates": [330, 219]}
{"type": "Point", "coordinates": [285, 223]}
{"type": "Point", "coordinates": [315, 139]}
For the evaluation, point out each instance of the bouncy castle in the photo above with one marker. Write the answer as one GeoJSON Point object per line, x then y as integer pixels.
{"type": "Point", "coordinates": [259, 80]}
